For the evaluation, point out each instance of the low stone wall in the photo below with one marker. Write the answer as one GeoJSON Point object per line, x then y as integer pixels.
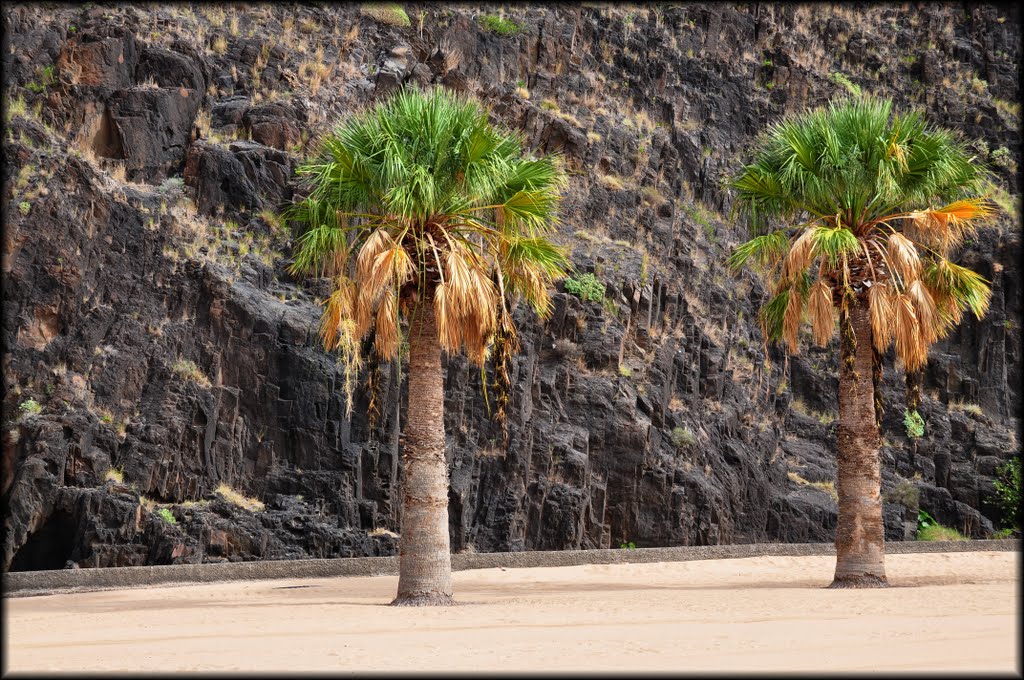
{"type": "Point", "coordinates": [49, 582]}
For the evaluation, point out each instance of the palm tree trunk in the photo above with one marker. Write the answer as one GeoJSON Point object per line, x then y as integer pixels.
{"type": "Point", "coordinates": [860, 534]}
{"type": "Point", "coordinates": [425, 563]}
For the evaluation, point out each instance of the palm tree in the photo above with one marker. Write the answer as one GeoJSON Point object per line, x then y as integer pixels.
{"type": "Point", "coordinates": [421, 211]}
{"type": "Point", "coordinates": [854, 187]}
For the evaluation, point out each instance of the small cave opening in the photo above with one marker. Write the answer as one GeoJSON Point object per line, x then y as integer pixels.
{"type": "Point", "coordinates": [48, 547]}
{"type": "Point", "coordinates": [106, 141]}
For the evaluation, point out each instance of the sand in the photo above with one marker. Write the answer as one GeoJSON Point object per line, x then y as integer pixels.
{"type": "Point", "coordinates": [954, 612]}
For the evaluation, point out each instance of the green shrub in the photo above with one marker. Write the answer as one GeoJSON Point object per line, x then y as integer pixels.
{"type": "Point", "coordinates": [30, 407]}
{"type": "Point", "coordinates": [937, 532]}
{"type": "Point", "coordinates": [1001, 157]}
{"type": "Point", "coordinates": [628, 546]}
{"type": "Point", "coordinates": [24, 207]}
{"type": "Point", "coordinates": [1008, 494]}
{"type": "Point", "coordinates": [499, 25]}
{"type": "Point", "coordinates": [389, 13]}
{"type": "Point", "coordinates": [928, 529]}
{"type": "Point", "coordinates": [914, 423]}
{"type": "Point", "coordinates": [587, 287]}
{"type": "Point", "coordinates": [683, 436]}
{"type": "Point", "coordinates": [840, 79]}
{"type": "Point", "coordinates": [166, 515]}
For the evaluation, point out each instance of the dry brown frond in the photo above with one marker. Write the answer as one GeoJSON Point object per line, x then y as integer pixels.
{"type": "Point", "coordinates": [385, 343]}
{"type": "Point", "coordinates": [903, 258]}
{"type": "Point", "coordinates": [947, 226]}
{"type": "Point", "coordinates": [819, 305]}
{"type": "Point", "coordinates": [799, 257]}
{"type": "Point", "coordinates": [486, 300]}
{"type": "Point", "coordinates": [924, 229]}
{"type": "Point", "coordinates": [451, 55]}
{"type": "Point", "coordinates": [375, 244]}
{"type": "Point", "coordinates": [466, 303]}
{"type": "Point", "coordinates": [393, 266]}
{"type": "Point", "coordinates": [906, 332]}
{"type": "Point", "coordinates": [791, 320]}
{"type": "Point", "coordinates": [880, 305]}
{"type": "Point", "coordinates": [363, 314]}
{"type": "Point", "coordinates": [532, 283]}
{"type": "Point", "coordinates": [337, 263]}
{"type": "Point", "coordinates": [338, 308]}
{"type": "Point", "coordinates": [447, 322]}
{"type": "Point", "coordinates": [929, 322]}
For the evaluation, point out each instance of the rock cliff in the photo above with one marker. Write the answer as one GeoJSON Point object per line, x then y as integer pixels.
{"type": "Point", "coordinates": [165, 398]}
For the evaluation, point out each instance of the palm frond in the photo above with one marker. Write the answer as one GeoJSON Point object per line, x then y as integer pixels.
{"type": "Point", "coordinates": [835, 242]}
{"type": "Point", "coordinates": [965, 288]}
{"type": "Point", "coordinates": [881, 310]}
{"type": "Point", "coordinates": [376, 243]}
{"type": "Point", "coordinates": [386, 339]}
{"type": "Point", "coordinates": [928, 319]}
{"type": "Point", "coordinates": [903, 257]}
{"type": "Point", "coordinates": [822, 311]}
{"type": "Point", "coordinates": [792, 318]}
{"type": "Point", "coordinates": [947, 226]}
{"type": "Point", "coordinates": [767, 249]}
{"type": "Point", "coordinates": [772, 315]}
{"type": "Point", "coordinates": [800, 256]}
{"type": "Point", "coordinates": [910, 347]}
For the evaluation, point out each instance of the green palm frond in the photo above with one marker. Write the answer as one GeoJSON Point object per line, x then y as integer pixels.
{"type": "Point", "coordinates": [537, 252]}
{"type": "Point", "coordinates": [764, 250]}
{"type": "Point", "coordinates": [967, 289]}
{"type": "Point", "coordinates": [835, 242]}
{"type": "Point", "coordinates": [773, 315]}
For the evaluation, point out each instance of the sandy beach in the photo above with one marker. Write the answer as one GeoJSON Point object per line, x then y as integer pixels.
{"type": "Point", "coordinates": [954, 612]}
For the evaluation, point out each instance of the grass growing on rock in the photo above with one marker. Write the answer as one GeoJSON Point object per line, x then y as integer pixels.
{"type": "Point", "coordinates": [389, 13]}
{"type": "Point", "coordinates": [827, 487]}
{"type": "Point", "coordinates": [187, 370]}
{"type": "Point", "coordinates": [235, 498]}
{"type": "Point", "coordinates": [937, 532]}
{"type": "Point", "coordinates": [500, 25]}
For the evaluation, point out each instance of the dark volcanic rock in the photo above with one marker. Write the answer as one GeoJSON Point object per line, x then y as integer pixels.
{"type": "Point", "coordinates": [169, 353]}
{"type": "Point", "coordinates": [243, 176]}
{"type": "Point", "coordinates": [152, 127]}
{"type": "Point", "coordinates": [276, 124]}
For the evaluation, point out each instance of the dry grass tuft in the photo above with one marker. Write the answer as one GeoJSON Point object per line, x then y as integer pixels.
{"type": "Point", "coordinates": [826, 487]}
{"type": "Point", "coordinates": [235, 498]}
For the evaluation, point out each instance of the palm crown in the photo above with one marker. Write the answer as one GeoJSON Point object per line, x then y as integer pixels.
{"type": "Point", "coordinates": [419, 200]}
{"type": "Point", "coordinates": [857, 187]}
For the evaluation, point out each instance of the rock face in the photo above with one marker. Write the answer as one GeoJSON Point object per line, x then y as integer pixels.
{"type": "Point", "coordinates": [159, 360]}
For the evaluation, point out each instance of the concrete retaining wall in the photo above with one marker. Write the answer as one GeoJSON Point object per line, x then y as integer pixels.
{"type": "Point", "coordinates": [48, 582]}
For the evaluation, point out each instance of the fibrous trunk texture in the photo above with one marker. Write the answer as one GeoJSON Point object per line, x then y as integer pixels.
{"type": "Point", "coordinates": [425, 571]}
{"type": "Point", "coordinates": [860, 534]}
